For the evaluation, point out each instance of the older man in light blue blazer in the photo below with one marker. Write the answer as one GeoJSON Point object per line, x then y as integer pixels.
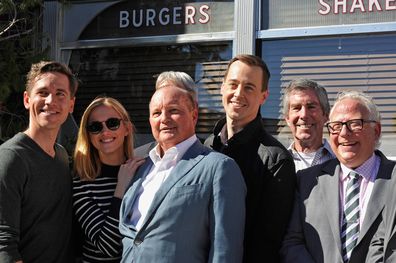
{"type": "Point", "coordinates": [186, 203]}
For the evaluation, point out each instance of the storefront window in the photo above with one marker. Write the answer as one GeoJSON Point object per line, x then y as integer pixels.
{"type": "Point", "coordinates": [302, 13]}
{"type": "Point", "coordinates": [129, 74]}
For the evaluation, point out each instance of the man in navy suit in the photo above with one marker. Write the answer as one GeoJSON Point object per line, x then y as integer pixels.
{"type": "Point", "coordinates": [186, 203]}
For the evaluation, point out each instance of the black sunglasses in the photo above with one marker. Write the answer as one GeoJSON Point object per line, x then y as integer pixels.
{"type": "Point", "coordinates": [96, 127]}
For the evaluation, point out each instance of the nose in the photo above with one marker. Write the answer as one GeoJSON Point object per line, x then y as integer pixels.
{"type": "Point", "coordinates": [303, 112]}
{"type": "Point", "coordinates": [238, 91]}
{"type": "Point", "coordinates": [344, 130]}
{"type": "Point", "coordinates": [49, 98]}
{"type": "Point", "coordinates": [164, 116]}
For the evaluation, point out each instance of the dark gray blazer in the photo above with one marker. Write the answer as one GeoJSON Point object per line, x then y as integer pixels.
{"type": "Point", "coordinates": [314, 230]}
{"type": "Point", "coordinates": [197, 215]}
{"type": "Point", "coordinates": [383, 245]}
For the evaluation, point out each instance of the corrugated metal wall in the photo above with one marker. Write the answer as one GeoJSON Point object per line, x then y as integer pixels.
{"type": "Point", "coordinates": [366, 63]}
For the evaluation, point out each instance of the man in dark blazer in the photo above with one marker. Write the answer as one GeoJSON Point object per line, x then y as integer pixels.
{"type": "Point", "coordinates": [383, 245]}
{"type": "Point", "coordinates": [266, 165]}
{"type": "Point", "coordinates": [322, 199]}
{"type": "Point", "coordinates": [187, 202]}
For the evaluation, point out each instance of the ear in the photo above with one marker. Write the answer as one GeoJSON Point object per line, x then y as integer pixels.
{"type": "Point", "coordinates": [26, 100]}
{"type": "Point", "coordinates": [72, 101]}
{"type": "Point", "coordinates": [222, 88]}
{"type": "Point", "coordinates": [377, 130]}
{"type": "Point", "coordinates": [128, 126]}
{"type": "Point", "coordinates": [287, 120]}
{"type": "Point", "coordinates": [195, 115]}
{"type": "Point", "coordinates": [263, 96]}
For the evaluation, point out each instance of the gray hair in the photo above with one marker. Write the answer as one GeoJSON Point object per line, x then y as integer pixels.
{"type": "Point", "coordinates": [366, 101]}
{"type": "Point", "coordinates": [302, 84]}
{"type": "Point", "coordinates": [179, 79]}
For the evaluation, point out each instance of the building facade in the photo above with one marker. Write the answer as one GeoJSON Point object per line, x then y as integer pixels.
{"type": "Point", "coordinates": [118, 48]}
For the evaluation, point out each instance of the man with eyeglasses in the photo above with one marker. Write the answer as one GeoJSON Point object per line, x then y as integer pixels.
{"type": "Point", "coordinates": [338, 203]}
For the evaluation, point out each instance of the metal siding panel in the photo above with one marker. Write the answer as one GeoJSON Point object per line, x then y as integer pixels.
{"type": "Point", "coordinates": [366, 63]}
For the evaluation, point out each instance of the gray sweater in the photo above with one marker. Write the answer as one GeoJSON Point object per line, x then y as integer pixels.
{"type": "Point", "coordinates": [35, 203]}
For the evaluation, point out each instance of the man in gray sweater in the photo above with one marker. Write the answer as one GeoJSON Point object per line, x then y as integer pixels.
{"type": "Point", "coordinates": [35, 183]}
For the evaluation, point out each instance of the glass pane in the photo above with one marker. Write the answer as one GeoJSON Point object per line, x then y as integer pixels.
{"type": "Point", "coordinates": [129, 75]}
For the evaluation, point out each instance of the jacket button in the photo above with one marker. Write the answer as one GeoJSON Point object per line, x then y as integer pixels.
{"type": "Point", "coordinates": [137, 241]}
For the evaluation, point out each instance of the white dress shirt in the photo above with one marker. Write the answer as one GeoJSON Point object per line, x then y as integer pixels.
{"type": "Point", "coordinates": [160, 170]}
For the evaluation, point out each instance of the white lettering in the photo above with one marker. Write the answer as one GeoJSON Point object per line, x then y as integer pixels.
{"type": "Point", "coordinates": [150, 15]}
{"type": "Point", "coordinates": [341, 3]}
{"type": "Point", "coordinates": [205, 16]}
{"type": "Point", "coordinates": [326, 9]}
{"type": "Point", "coordinates": [140, 23]}
{"type": "Point", "coordinates": [377, 5]}
{"type": "Point", "coordinates": [357, 4]}
{"type": "Point", "coordinates": [161, 16]}
{"type": "Point", "coordinates": [124, 21]}
{"type": "Point", "coordinates": [176, 15]}
{"type": "Point", "coordinates": [390, 5]}
{"type": "Point", "coordinates": [166, 16]}
{"type": "Point", "coordinates": [190, 13]}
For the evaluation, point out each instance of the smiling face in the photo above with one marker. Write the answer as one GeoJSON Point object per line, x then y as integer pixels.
{"type": "Point", "coordinates": [172, 116]}
{"type": "Point", "coordinates": [306, 119]}
{"type": "Point", "coordinates": [353, 148]}
{"type": "Point", "coordinates": [49, 102]}
{"type": "Point", "coordinates": [109, 143]}
{"type": "Point", "coordinates": [242, 93]}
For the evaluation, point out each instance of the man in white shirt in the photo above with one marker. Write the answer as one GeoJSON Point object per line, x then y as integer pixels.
{"type": "Point", "coordinates": [186, 203]}
{"type": "Point", "coordinates": [306, 110]}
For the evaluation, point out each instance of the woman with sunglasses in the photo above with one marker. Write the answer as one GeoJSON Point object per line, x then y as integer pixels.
{"type": "Point", "coordinates": [104, 165]}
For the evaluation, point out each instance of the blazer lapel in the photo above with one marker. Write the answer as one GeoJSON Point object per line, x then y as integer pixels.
{"type": "Point", "coordinates": [330, 189]}
{"type": "Point", "coordinates": [378, 196]}
{"type": "Point", "coordinates": [187, 162]}
{"type": "Point", "coordinates": [131, 193]}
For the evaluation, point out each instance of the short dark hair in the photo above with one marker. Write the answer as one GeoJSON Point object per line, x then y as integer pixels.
{"type": "Point", "coordinates": [252, 60]}
{"type": "Point", "coordinates": [42, 67]}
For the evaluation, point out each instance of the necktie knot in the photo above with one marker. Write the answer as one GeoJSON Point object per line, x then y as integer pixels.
{"type": "Point", "coordinates": [353, 175]}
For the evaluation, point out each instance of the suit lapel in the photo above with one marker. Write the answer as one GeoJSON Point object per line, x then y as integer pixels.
{"type": "Point", "coordinates": [392, 212]}
{"type": "Point", "coordinates": [330, 192]}
{"type": "Point", "coordinates": [378, 196]}
{"type": "Point", "coordinates": [188, 161]}
{"type": "Point", "coordinates": [134, 189]}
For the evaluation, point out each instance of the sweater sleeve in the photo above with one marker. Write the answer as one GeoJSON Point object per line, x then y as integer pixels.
{"type": "Point", "coordinates": [12, 177]}
{"type": "Point", "coordinates": [100, 227]}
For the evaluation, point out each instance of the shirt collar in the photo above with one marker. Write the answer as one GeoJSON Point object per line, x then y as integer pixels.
{"type": "Point", "coordinates": [176, 152]}
{"type": "Point", "coordinates": [325, 146]}
{"type": "Point", "coordinates": [366, 170]}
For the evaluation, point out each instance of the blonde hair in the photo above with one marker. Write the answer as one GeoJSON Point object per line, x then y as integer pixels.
{"type": "Point", "coordinates": [87, 163]}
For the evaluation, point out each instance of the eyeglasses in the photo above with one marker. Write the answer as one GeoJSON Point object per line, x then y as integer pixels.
{"type": "Point", "coordinates": [354, 125]}
{"type": "Point", "coordinates": [96, 127]}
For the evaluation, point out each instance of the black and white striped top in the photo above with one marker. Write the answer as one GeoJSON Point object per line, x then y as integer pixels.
{"type": "Point", "coordinates": [97, 212]}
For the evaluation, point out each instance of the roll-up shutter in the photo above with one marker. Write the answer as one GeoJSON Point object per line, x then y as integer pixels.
{"type": "Point", "coordinates": [129, 74]}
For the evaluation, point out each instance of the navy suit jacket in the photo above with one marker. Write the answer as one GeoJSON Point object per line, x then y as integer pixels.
{"type": "Point", "coordinates": [197, 215]}
{"type": "Point", "coordinates": [314, 230]}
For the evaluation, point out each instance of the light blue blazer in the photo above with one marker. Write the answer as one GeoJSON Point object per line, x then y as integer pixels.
{"type": "Point", "coordinates": [197, 215]}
